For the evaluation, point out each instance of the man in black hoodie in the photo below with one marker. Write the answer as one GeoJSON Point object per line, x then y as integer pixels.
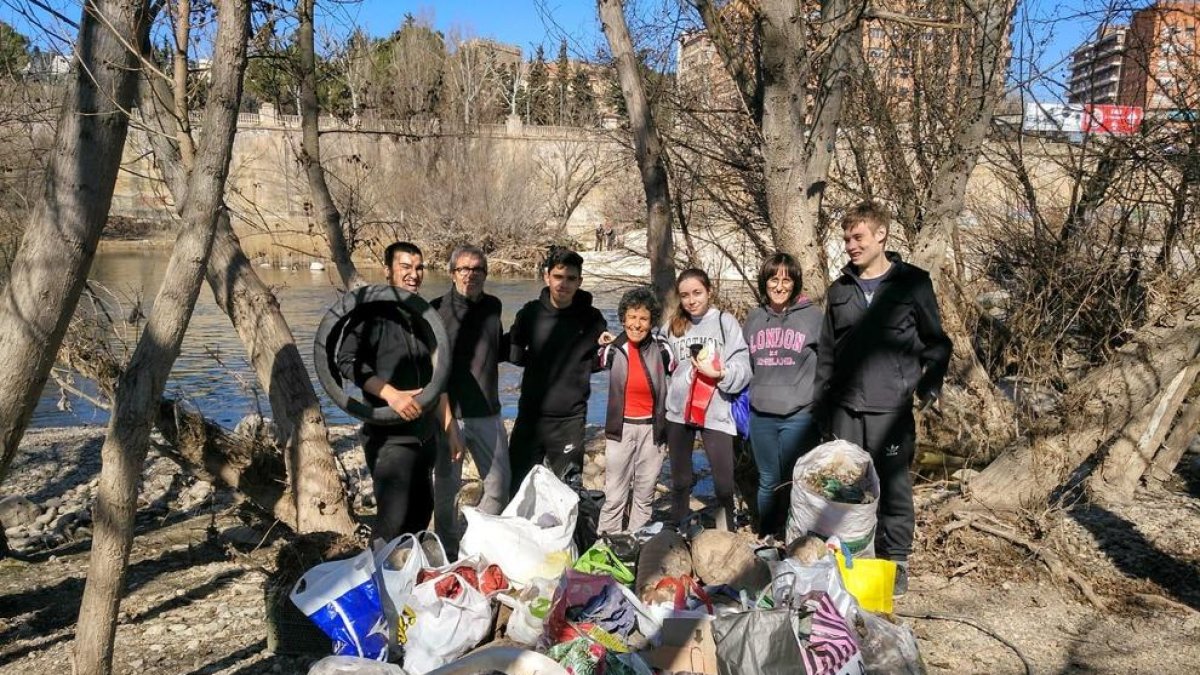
{"type": "Point", "coordinates": [554, 339]}
{"type": "Point", "coordinates": [390, 361]}
{"type": "Point", "coordinates": [882, 341]}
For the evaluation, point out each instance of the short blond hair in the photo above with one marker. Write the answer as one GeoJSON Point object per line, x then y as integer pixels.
{"type": "Point", "coordinates": [870, 212]}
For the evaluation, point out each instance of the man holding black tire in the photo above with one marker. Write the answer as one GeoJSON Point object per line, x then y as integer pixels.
{"type": "Point", "coordinates": [391, 361]}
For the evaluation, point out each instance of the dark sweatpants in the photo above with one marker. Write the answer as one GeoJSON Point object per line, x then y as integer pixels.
{"type": "Point", "coordinates": [891, 439]}
{"type": "Point", "coordinates": [718, 447]}
{"type": "Point", "coordinates": [555, 441]}
{"type": "Point", "coordinates": [402, 470]}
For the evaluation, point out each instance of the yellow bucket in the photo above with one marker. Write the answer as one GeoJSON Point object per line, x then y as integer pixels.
{"type": "Point", "coordinates": [870, 581]}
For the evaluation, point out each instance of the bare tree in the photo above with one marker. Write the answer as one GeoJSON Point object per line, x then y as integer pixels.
{"type": "Point", "coordinates": [472, 79]}
{"type": "Point", "coordinates": [310, 151]}
{"type": "Point", "coordinates": [647, 147]}
{"type": "Point", "coordinates": [571, 168]}
{"type": "Point", "coordinates": [60, 238]}
{"type": "Point", "coordinates": [315, 499]}
{"type": "Point", "coordinates": [142, 383]}
{"type": "Point", "coordinates": [793, 84]}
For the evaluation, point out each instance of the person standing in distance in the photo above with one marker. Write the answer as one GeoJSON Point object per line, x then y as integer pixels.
{"type": "Point", "coordinates": [471, 418]}
{"type": "Point", "coordinates": [882, 341]}
{"type": "Point", "coordinates": [554, 339]}
{"type": "Point", "coordinates": [391, 362]}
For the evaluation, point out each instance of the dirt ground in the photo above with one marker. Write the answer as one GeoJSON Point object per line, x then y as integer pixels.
{"type": "Point", "coordinates": [195, 600]}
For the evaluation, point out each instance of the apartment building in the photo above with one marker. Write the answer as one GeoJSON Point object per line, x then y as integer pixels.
{"type": "Point", "coordinates": [1096, 67]}
{"type": "Point", "coordinates": [1161, 69]}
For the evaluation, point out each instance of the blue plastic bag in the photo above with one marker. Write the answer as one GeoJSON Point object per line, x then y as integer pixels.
{"type": "Point", "coordinates": [342, 598]}
{"type": "Point", "coordinates": [741, 413]}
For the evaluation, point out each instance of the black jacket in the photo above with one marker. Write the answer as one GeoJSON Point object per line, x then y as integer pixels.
{"type": "Point", "coordinates": [479, 343]}
{"type": "Point", "coordinates": [380, 340]}
{"type": "Point", "coordinates": [873, 358]}
{"type": "Point", "coordinates": [557, 349]}
{"type": "Point", "coordinates": [656, 360]}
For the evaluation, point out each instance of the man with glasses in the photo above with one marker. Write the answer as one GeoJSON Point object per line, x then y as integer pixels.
{"type": "Point", "coordinates": [471, 405]}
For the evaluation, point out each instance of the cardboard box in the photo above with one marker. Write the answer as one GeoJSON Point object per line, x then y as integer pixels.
{"type": "Point", "coordinates": [687, 646]}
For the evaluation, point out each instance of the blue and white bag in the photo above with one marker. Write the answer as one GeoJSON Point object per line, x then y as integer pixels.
{"type": "Point", "coordinates": [343, 599]}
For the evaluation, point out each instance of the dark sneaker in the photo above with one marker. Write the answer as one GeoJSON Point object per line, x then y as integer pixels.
{"type": "Point", "coordinates": [901, 585]}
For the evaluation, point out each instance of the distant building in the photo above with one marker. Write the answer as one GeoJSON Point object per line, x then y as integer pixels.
{"type": "Point", "coordinates": [1161, 71]}
{"type": "Point", "coordinates": [1153, 63]}
{"type": "Point", "coordinates": [1096, 67]}
{"type": "Point", "coordinates": [500, 54]}
{"type": "Point", "coordinates": [46, 66]}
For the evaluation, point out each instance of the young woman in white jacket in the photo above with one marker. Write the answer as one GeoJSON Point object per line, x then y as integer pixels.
{"type": "Point", "coordinates": [708, 345]}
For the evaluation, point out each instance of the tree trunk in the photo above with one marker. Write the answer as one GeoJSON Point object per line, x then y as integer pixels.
{"type": "Point", "coordinates": [647, 148]}
{"type": "Point", "coordinates": [1116, 479]}
{"type": "Point", "coordinates": [1177, 443]}
{"type": "Point", "coordinates": [310, 152]}
{"type": "Point", "coordinates": [60, 239]}
{"type": "Point", "coordinates": [315, 487]}
{"type": "Point", "coordinates": [141, 385]}
{"type": "Point", "coordinates": [1099, 406]}
{"type": "Point", "coordinates": [938, 226]}
{"type": "Point", "coordinates": [256, 472]}
{"type": "Point", "coordinates": [798, 154]}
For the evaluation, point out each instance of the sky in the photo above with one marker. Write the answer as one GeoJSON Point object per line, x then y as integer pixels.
{"type": "Point", "coordinates": [1051, 28]}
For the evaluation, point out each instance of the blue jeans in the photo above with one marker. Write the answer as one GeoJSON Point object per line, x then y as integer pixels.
{"type": "Point", "coordinates": [777, 442]}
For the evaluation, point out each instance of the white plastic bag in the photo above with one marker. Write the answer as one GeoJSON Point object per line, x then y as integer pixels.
{"type": "Point", "coordinates": [888, 648]}
{"type": "Point", "coordinates": [524, 626]}
{"type": "Point", "coordinates": [533, 536]}
{"type": "Point", "coordinates": [397, 581]}
{"type": "Point", "coordinates": [352, 665]}
{"type": "Point", "coordinates": [342, 597]}
{"type": "Point", "coordinates": [792, 580]}
{"type": "Point", "coordinates": [443, 628]}
{"type": "Point", "coordinates": [812, 513]}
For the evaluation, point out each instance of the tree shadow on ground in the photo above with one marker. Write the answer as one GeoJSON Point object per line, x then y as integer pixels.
{"type": "Point", "coordinates": [1137, 557]}
{"type": "Point", "coordinates": [49, 609]}
{"type": "Point", "coordinates": [77, 473]}
{"type": "Point", "coordinates": [289, 663]}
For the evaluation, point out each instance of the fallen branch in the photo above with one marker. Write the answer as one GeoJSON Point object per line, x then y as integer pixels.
{"type": "Point", "coordinates": [1048, 557]}
{"type": "Point", "coordinates": [977, 626]}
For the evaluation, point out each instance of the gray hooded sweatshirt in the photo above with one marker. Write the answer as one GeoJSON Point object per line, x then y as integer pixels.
{"type": "Point", "coordinates": [719, 333]}
{"type": "Point", "coordinates": [783, 356]}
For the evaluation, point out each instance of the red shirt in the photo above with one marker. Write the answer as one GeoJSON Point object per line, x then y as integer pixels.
{"type": "Point", "coordinates": [639, 399]}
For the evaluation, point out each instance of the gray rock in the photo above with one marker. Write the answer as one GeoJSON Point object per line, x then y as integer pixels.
{"type": "Point", "coordinates": [47, 516]}
{"type": "Point", "coordinates": [243, 535]}
{"type": "Point", "coordinates": [724, 558]}
{"type": "Point", "coordinates": [14, 532]}
{"type": "Point", "coordinates": [16, 510]}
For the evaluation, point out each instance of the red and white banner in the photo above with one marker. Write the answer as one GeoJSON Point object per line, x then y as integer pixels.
{"type": "Point", "coordinates": [1121, 120]}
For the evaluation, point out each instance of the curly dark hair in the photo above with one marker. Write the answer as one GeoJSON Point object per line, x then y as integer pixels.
{"type": "Point", "coordinates": [640, 297]}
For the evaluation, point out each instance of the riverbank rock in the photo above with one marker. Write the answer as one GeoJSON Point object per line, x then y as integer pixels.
{"type": "Point", "coordinates": [720, 557]}
{"type": "Point", "coordinates": [665, 555]}
{"type": "Point", "coordinates": [17, 511]}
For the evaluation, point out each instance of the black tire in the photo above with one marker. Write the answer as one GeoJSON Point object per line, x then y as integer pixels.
{"type": "Point", "coordinates": [329, 338]}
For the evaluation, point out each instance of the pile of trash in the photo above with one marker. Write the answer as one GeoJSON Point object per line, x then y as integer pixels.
{"type": "Point", "coordinates": [654, 601]}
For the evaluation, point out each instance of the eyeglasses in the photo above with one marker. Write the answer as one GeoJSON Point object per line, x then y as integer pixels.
{"type": "Point", "coordinates": [470, 270]}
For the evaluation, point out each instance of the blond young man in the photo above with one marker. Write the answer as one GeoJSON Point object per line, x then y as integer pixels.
{"type": "Point", "coordinates": [882, 342]}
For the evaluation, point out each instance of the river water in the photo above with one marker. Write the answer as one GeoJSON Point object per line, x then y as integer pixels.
{"type": "Point", "coordinates": [212, 372]}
